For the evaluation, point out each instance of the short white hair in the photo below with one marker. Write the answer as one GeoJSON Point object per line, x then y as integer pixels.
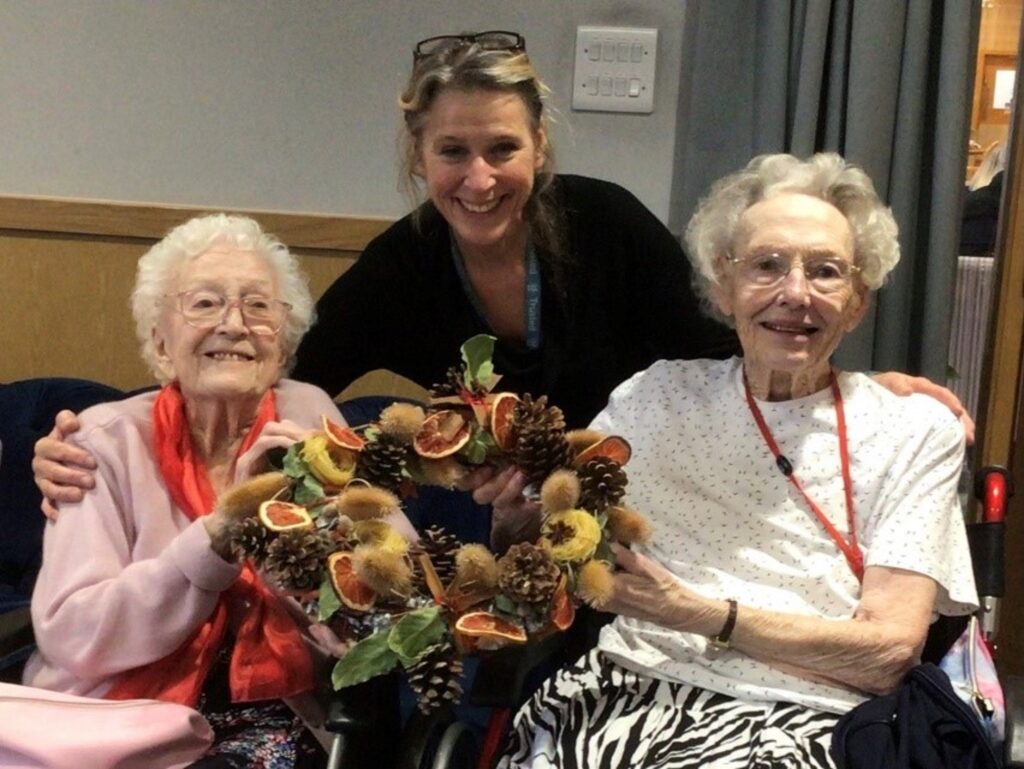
{"type": "Point", "coordinates": [711, 233]}
{"type": "Point", "coordinates": [159, 266]}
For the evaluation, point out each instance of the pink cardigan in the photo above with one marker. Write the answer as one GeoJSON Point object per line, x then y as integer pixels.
{"type": "Point", "coordinates": [126, 577]}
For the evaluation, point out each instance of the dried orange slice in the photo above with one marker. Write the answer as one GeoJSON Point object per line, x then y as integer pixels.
{"type": "Point", "coordinates": [613, 447]}
{"type": "Point", "coordinates": [352, 591]}
{"type": "Point", "coordinates": [502, 425]}
{"type": "Point", "coordinates": [284, 516]}
{"type": "Point", "coordinates": [484, 624]}
{"type": "Point", "coordinates": [443, 433]}
{"type": "Point", "coordinates": [563, 612]}
{"type": "Point", "coordinates": [343, 436]}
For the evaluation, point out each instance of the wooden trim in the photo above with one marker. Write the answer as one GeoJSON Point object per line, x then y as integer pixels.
{"type": "Point", "coordinates": [152, 221]}
{"type": "Point", "coordinates": [1003, 368]}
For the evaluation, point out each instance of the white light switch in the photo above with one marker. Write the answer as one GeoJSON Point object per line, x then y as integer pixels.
{"type": "Point", "coordinates": [622, 61]}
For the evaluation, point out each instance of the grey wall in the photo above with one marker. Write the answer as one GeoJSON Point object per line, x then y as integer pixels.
{"type": "Point", "coordinates": [282, 104]}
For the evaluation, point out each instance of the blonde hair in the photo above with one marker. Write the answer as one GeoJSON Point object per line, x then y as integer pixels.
{"type": "Point", "coordinates": [158, 267]}
{"type": "Point", "coordinates": [472, 68]}
{"type": "Point", "coordinates": [827, 176]}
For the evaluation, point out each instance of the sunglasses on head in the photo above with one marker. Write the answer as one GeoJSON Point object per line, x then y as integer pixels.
{"type": "Point", "coordinates": [492, 40]}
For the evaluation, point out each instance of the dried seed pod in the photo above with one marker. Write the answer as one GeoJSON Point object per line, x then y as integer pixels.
{"type": "Point", "coordinates": [595, 584]}
{"type": "Point", "coordinates": [244, 499]}
{"type": "Point", "coordinates": [561, 491]}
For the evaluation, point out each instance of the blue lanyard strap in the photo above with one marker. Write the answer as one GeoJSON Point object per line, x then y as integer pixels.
{"type": "Point", "coordinates": [531, 296]}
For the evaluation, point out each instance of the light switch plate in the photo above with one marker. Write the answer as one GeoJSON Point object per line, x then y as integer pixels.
{"type": "Point", "coordinates": [615, 69]}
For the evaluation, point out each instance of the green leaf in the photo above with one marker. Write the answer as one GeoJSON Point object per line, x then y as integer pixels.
{"type": "Point", "coordinates": [604, 551]}
{"type": "Point", "coordinates": [480, 444]}
{"type": "Point", "coordinates": [369, 658]}
{"type": "Point", "coordinates": [308, 490]}
{"type": "Point", "coordinates": [328, 601]}
{"type": "Point", "coordinates": [294, 465]}
{"type": "Point", "coordinates": [477, 353]}
{"type": "Point", "coordinates": [415, 633]}
{"type": "Point", "coordinates": [505, 605]}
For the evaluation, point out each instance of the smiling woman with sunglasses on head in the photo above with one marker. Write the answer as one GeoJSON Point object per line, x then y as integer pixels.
{"type": "Point", "coordinates": [579, 282]}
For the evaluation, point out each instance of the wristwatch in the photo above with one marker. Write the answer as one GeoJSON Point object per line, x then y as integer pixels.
{"type": "Point", "coordinates": [721, 641]}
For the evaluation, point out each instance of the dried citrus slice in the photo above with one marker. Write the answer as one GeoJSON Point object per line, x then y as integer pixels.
{"type": "Point", "coordinates": [562, 610]}
{"type": "Point", "coordinates": [284, 516]}
{"type": "Point", "coordinates": [613, 447]}
{"type": "Point", "coordinates": [352, 591]}
{"type": "Point", "coordinates": [484, 624]}
{"type": "Point", "coordinates": [443, 433]}
{"type": "Point", "coordinates": [343, 436]}
{"type": "Point", "coordinates": [502, 426]}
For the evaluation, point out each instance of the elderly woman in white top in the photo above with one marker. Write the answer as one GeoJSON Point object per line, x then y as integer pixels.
{"type": "Point", "coordinates": [807, 525]}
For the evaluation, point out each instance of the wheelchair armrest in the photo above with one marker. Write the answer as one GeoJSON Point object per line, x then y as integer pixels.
{"type": "Point", "coordinates": [366, 718]}
{"type": "Point", "coordinates": [1013, 690]}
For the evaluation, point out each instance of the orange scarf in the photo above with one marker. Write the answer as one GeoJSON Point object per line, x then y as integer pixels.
{"type": "Point", "coordinates": [269, 659]}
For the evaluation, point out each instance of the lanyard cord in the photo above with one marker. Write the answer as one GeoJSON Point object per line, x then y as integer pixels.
{"type": "Point", "coordinates": [850, 549]}
{"type": "Point", "coordinates": [531, 293]}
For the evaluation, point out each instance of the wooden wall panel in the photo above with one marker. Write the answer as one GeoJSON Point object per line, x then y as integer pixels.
{"type": "Point", "coordinates": [67, 268]}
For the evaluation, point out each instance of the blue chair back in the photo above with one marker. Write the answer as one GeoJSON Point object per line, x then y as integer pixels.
{"type": "Point", "coordinates": [27, 411]}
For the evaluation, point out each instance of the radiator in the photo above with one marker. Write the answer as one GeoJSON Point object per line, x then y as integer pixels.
{"type": "Point", "coordinates": [968, 332]}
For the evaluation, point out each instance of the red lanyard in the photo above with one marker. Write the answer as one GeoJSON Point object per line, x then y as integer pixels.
{"type": "Point", "coordinates": [850, 549]}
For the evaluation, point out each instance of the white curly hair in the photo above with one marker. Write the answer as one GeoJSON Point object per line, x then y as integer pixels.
{"type": "Point", "coordinates": [711, 233]}
{"type": "Point", "coordinates": [159, 266]}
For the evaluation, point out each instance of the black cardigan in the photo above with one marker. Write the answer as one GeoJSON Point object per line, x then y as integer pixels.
{"type": "Point", "coordinates": [628, 302]}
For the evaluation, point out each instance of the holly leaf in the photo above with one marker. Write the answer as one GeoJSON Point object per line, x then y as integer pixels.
{"type": "Point", "coordinates": [414, 633]}
{"type": "Point", "coordinates": [369, 658]}
{"type": "Point", "coordinates": [477, 353]}
{"type": "Point", "coordinates": [328, 601]}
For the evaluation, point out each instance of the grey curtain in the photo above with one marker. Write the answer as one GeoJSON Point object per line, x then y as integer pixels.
{"type": "Point", "coordinates": [887, 84]}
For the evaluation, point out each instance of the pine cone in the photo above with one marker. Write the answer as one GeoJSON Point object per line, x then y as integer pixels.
{"type": "Point", "coordinates": [381, 462]}
{"type": "Point", "coordinates": [527, 574]}
{"type": "Point", "coordinates": [602, 484]}
{"type": "Point", "coordinates": [452, 384]}
{"type": "Point", "coordinates": [435, 677]}
{"type": "Point", "coordinates": [296, 559]}
{"type": "Point", "coordinates": [541, 446]}
{"type": "Point", "coordinates": [441, 546]}
{"type": "Point", "coordinates": [250, 538]}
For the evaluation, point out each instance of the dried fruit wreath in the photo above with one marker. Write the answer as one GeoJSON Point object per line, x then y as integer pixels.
{"type": "Point", "coordinates": [317, 529]}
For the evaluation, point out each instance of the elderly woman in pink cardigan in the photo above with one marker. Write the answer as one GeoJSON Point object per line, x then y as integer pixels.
{"type": "Point", "coordinates": [140, 595]}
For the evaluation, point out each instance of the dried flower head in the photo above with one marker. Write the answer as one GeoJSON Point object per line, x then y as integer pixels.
{"type": "Point", "coordinates": [402, 421]}
{"type": "Point", "coordinates": [361, 503]}
{"type": "Point", "coordinates": [243, 500]}
{"type": "Point", "coordinates": [388, 574]}
{"type": "Point", "coordinates": [561, 491]}
{"type": "Point", "coordinates": [627, 526]}
{"type": "Point", "coordinates": [330, 466]}
{"type": "Point", "coordinates": [571, 535]}
{"type": "Point", "coordinates": [595, 584]}
{"type": "Point", "coordinates": [475, 565]}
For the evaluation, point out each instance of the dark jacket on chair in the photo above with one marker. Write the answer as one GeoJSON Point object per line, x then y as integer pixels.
{"type": "Point", "coordinates": [922, 725]}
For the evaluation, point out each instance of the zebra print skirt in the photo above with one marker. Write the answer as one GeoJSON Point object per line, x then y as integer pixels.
{"type": "Point", "coordinates": [597, 714]}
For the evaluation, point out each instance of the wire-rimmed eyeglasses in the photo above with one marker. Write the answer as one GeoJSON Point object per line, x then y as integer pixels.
{"type": "Point", "coordinates": [204, 308]}
{"type": "Point", "coordinates": [825, 273]}
{"type": "Point", "coordinates": [491, 40]}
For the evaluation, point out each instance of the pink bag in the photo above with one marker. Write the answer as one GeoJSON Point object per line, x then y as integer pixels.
{"type": "Point", "coordinates": [40, 729]}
